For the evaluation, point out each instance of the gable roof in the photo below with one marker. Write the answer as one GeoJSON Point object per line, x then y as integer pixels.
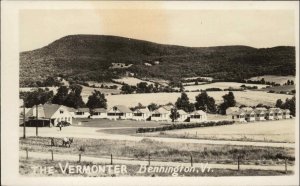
{"type": "Point", "coordinates": [122, 108]}
{"type": "Point", "coordinates": [233, 108]}
{"type": "Point", "coordinates": [239, 112]}
{"type": "Point", "coordinates": [102, 110]}
{"type": "Point", "coordinates": [83, 110]}
{"type": "Point", "coordinates": [275, 110]}
{"type": "Point", "coordinates": [257, 111]}
{"type": "Point", "coordinates": [247, 109]}
{"type": "Point", "coordinates": [198, 112]}
{"type": "Point", "coordinates": [250, 112]}
{"type": "Point", "coordinates": [181, 112]}
{"type": "Point", "coordinates": [142, 110]}
{"type": "Point", "coordinates": [44, 111]}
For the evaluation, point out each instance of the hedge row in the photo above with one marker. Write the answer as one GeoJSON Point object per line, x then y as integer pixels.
{"type": "Point", "coordinates": [184, 126]}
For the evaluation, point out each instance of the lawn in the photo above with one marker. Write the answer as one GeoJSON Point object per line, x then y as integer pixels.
{"type": "Point", "coordinates": [270, 131]}
{"type": "Point", "coordinates": [162, 151]}
{"type": "Point", "coordinates": [26, 169]}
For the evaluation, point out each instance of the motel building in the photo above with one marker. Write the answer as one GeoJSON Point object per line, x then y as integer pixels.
{"type": "Point", "coordinates": [48, 115]}
{"type": "Point", "coordinates": [277, 113]}
{"type": "Point", "coordinates": [141, 114]}
{"type": "Point", "coordinates": [183, 116]}
{"type": "Point", "coordinates": [286, 114]}
{"type": "Point", "coordinates": [259, 115]}
{"type": "Point", "coordinates": [99, 113]}
{"type": "Point", "coordinates": [198, 116]}
{"type": "Point", "coordinates": [162, 114]}
{"type": "Point", "coordinates": [119, 112]}
{"type": "Point", "coordinates": [239, 116]}
{"type": "Point", "coordinates": [270, 114]}
{"type": "Point", "coordinates": [80, 112]}
{"type": "Point", "coordinates": [250, 116]}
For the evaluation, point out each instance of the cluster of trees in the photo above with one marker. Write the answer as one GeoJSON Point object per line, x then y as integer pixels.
{"type": "Point", "coordinates": [144, 87]}
{"type": "Point", "coordinates": [288, 104]}
{"type": "Point", "coordinates": [289, 82]}
{"type": "Point", "coordinates": [262, 81]}
{"type": "Point", "coordinates": [68, 96]}
{"type": "Point", "coordinates": [205, 103]}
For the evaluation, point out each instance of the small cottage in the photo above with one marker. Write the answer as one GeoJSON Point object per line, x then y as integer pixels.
{"type": "Point", "coordinates": [119, 112]}
{"type": "Point", "coordinates": [141, 114]}
{"type": "Point", "coordinates": [198, 116]}
{"type": "Point", "coordinates": [239, 116]}
{"type": "Point", "coordinates": [99, 113]}
{"type": "Point", "coordinates": [250, 116]}
{"type": "Point", "coordinates": [183, 116]}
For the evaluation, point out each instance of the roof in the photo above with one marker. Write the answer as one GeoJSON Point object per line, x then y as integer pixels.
{"type": "Point", "coordinates": [122, 108]}
{"type": "Point", "coordinates": [233, 108]}
{"type": "Point", "coordinates": [142, 110]}
{"type": "Point", "coordinates": [258, 111]}
{"type": "Point", "coordinates": [276, 110]}
{"type": "Point", "coordinates": [250, 112]}
{"type": "Point", "coordinates": [168, 107]}
{"type": "Point", "coordinates": [163, 110]}
{"type": "Point", "coordinates": [261, 108]}
{"type": "Point", "coordinates": [181, 112]}
{"type": "Point", "coordinates": [198, 112]}
{"type": "Point", "coordinates": [239, 112]}
{"type": "Point", "coordinates": [246, 109]}
{"type": "Point", "coordinates": [44, 111]}
{"type": "Point", "coordinates": [286, 110]}
{"type": "Point", "coordinates": [100, 110]}
{"type": "Point", "coordinates": [83, 110]}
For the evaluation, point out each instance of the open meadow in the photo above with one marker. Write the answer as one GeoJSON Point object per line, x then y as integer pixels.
{"type": "Point", "coordinates": [270, 131]}
{"type": "Point", "coordinates": [131, 81]}
{"type": "Point", "coordinates": [221, 85]}
{"type": "Point", "coordinates": [277, 79]}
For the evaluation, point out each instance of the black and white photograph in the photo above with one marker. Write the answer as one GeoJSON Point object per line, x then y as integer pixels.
{"type": "Point", "coordinates": [150, 90]}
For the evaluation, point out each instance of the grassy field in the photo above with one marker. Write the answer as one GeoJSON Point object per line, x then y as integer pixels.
{"type": "Point", "coordinates": [26, 169]}
{"type": "Point", "coordinates": [249, 98]}
{"type": "Point", "coordinates": [277, 79]}
{"type": "Point", "coordinates": [162, 151]}
{"type": "Point", "coordinates": [131, 81]}
{"type": "Point", "coordinates": [280, 88]}
{"type": "Point", "coordinates": [221, 85]}
{"type": "Point", "coordinates": [271, 131]}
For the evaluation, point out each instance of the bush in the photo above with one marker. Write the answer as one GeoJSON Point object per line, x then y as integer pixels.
{"type": "Point", "coordinates": [82, 148]}
{"type": "Point", "coordinates": [184, 126]}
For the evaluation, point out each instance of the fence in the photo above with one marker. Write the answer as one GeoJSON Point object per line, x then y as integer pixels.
{"type": "Point", "coordinates": [239, 160]}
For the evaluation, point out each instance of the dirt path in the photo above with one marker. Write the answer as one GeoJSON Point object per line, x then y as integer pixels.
{"type": "Point", "coordinates": [40, 155]}
{"type": "Point", "coordinates": [90, 132]}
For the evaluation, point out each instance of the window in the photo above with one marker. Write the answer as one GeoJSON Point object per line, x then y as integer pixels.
{"type": "Point", "coordinates": [138, 114]}
{"type": "Point", "coordinates": [61, 111]}
{"type": "Point", "coordinates": [155, 115]}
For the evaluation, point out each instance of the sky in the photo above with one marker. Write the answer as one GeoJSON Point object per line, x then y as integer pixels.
{"type": "Point", "coordinates": [196, 28]}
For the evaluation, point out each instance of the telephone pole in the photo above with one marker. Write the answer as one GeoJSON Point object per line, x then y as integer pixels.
{"type": "Point", "coordinates": [24, 121]}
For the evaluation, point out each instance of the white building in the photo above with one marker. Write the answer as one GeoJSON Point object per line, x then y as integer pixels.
{"type": "Point", "coordinates": [250, 116]}
{"type": "Point", "coordinates": [183, 116]}
{"type": "Point", "coordinates": [277, 113]}
{"type": "Point", "coordinates": [198, 116]}
{"type": "Point", "coordinates": [141, 114]}
{"type": "Point", "coordinates": [80, 112]}
{"type": "Point", "coordinates": [48, 115]}
{"type": "Point", "coordinates": [99, 113]}
{"type": "Point", "coordinates": [286, 114]}
{"type": "Point", "coordinates": [162, 114]}
{"type": "Point", "coordinates": [260, 115]}
{"type": "Point", "coordinates": [239, 116]}
{"type": "Point", "coordinates": [119, 112]}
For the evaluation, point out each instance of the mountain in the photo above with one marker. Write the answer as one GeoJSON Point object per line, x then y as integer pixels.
{"type": "Point", "coordinates": [89, 57]}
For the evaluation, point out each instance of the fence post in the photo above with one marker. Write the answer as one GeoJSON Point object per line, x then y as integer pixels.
{"type": "Point", "coordinates": [111, 159]}
{"type": "Point", "coordinates": [52, 155]}
{"type": "Point", "coordinates": [26, 153]}
{"type": "Point", "coordinates": [238, 163]}
{"type": "Point", "coordinates": [149, 160]}
{"type": "Point", "coordinates": [79, 157]}
{"type": "Point", "coordinates": [191, 160]}
{"type": "Point", "coordinates": [285, 162]}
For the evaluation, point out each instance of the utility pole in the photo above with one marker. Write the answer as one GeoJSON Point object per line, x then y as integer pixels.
{"type": "Point", "coordinates": [36, 122]}
{"type": "Point", "coordinates": [24, 121]}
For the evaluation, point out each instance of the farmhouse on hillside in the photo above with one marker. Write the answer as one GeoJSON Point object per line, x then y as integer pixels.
{"type": "Point", "coordinates": [198, 116]}
{"type": "Point", "coordinates": [141, 114]}
{"type": "Point", "coordinates": [48, 115]}
{"type": "Point", "coordinates": [119, 112]}
{"type": "Point", "coordinates": [99, 113]}
{"type": "Point", "coordinates": [80, 112]}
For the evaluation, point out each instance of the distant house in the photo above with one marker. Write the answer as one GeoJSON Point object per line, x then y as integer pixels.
{"type": "Point", "coordinates": [250, 116]}
{"type": "Point", "coordinates": [99, 113]}
{"type": "Point", "coordinates": [198, 116]}
{"type": "Point", "coordinates": [239, 116]}
{"type": "Point", "coordinates": [277, 113]}
{"type": "Point", "coordinates": [162, 113]}
{"type": "Point", "coordinates": [119, 112]}
{"type": "Point", "coordinates": [148, 64]}
{"type": "Point", "coordinates": [259, 115]}
{"type": "Point", "coordinates": [156, 62]}
{"type": "Point", "coordinates": [141, 114]}
{"type": "Point", "coordinates": [269, 114]}
{"type": "Point", "coordinates": [48, 115]}
{"type": "Point", "coordinates": [231, 110]}
{"type": "Point", "coordinates": [80, 112]}
{"type": "Point", "coordinates": [286, 114]}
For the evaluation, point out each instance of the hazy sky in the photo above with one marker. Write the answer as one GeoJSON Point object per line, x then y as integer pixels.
{"type": "Point", "coordinates": [257, 28]}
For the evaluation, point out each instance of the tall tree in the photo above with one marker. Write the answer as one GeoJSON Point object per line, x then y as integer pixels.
{"type": "Point", "coordinates": [229, 101]}
{"type": "Point", "coordinates": [152, 106]}
{"type": "Point", "coordinates": [74, 98]}
{"type": "Point", "coordinates": [279, 103]}
{"type": "Point", "coordinates": [205, 102]}
{"type": "Point", "coordinates": [184, 103]}
{"type": "Point", "coordinates": [291, 105]}
{"type": "Point", "coordinates": [38, 96]}
{"type": "Point", "coordinates": [96, 100]}
{"type": "Point", "coordinates": [174, 114]}
{"type": "Point", "coordinates": [61, 95]}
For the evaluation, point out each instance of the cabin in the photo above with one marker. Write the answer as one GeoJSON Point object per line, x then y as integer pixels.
{"type": "Point", "coordinates": [48, 115]}
{"type": "Point", "coordinates": [269, 114]}
{"type": "Point", "coordinates": [239, 116]}
{"type": "Point", "coordinates": [286, 114]}
{"type": "Point", "coordinates": [162, 114]}
{"type": "Point", "coordinates": [198, 116]}
{"type": "Point", "coordinates": [231, 110]}
{"type": "Point", "coordinates": [277, 113]}
{"type": "Point", "coordinates": [119, 112]}
{"type": "Point", "coordinates": [99, 113]}
{"type": "Point", "coordinates": [259, 115]}
{"type": "Point", "coordinates": [80, 112]}
{"type": "Point", "coordinates": [141, 114]}
{"type": "Point", "coordinates": [250, 116]}
{"type": "Point", "coordinates": [183, 116]}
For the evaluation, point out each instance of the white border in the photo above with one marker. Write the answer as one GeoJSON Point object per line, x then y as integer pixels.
{"type": "Point", "coordinates": [10, 98]}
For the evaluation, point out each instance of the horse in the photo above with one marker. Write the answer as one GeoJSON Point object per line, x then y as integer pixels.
{"type": "Point", "coordinates": [67, 141]}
